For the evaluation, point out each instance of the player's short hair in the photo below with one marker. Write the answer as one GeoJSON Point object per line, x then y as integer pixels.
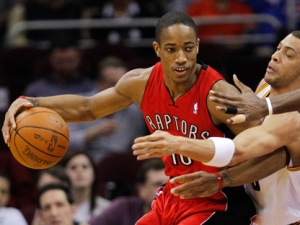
{"type": "Point", "coordinates": [296, 33]}
{"type": "Point", "coordinates": [172, 18]}
{"type": "Point", "coordinates": [55, 186]}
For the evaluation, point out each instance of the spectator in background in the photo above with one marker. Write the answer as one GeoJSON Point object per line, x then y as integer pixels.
{"type": "Point", "coordinates": [54, 174]}
{"type": "Point", "coordinates": [177, 5]}
{"type": "Point", "coordinates": [83, 175]}
{"type": "Point", "coordinates": [122, 10]}
{"type": "Point", "coordinates": [129, 209]}
{"type": "Point", "coordinates": [5, 7]}
{"type": "Point", "coordinates": [114, 133]}
{"type": "Point", "coordinates": [64, 76]}
{"type": "Point", "coordinates": [8, 215]}
{"type": "Point", "coordinates": [39, 10]}
{"type": "Point", "coordinates": [56, 205]}
{"type": "Point", "coordinates": [220, 8]}
{"type": "Point", "coordinates": [277, 9]}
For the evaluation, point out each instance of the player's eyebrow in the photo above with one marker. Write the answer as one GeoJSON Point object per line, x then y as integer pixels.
{"type": "Point", "coordinates": [173, 44]}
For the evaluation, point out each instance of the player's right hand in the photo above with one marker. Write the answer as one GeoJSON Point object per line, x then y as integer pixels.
{"type": "Point", "coordinates": [19, 105]}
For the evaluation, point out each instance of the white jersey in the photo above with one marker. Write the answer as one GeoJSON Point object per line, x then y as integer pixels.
{"type": "Point", "coordinates": [276, 197]}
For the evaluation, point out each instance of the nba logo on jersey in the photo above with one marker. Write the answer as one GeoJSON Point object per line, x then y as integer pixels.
{"type": "Point", "coordinates": [195, 108]}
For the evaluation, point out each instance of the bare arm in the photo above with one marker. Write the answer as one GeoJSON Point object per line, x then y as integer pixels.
{"type": "Point", "coordinates": [275, 132]}
{"type": "Point", "coordinates": [253, 107]}
{"type": "Point", "coordinates": [75, 108]}
{"type": "Point", "coordinates": [201, 184]}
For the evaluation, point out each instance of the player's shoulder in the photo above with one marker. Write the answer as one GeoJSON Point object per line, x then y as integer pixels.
{"type": "Point", "coordinates": [137, 75]}
{"type": "Point", "coordinates": [134, 82]}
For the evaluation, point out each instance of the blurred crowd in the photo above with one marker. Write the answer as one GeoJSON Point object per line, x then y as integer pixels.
{"type": "Point", "coordinates": [54, 53]}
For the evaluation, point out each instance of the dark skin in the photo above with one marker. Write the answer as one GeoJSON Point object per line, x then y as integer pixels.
{"type": "Point", "coordinates": [250, 106]}
{"type": "Point", "coordinates": [202, 184]}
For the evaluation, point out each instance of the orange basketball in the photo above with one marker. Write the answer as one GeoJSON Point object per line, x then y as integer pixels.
{"type": "Point", "coordinates": [41, 138]}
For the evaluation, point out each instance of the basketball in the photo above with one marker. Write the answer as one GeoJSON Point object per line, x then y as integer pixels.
{"type": "Point", "coordinates": [41, 138]}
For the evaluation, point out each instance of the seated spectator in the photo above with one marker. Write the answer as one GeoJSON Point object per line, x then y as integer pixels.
{"type": "Point", "coordinates": [129, 209]}
{"type": "Point", "coordinates": [56, 205]}
{"type": "Point", "coordinates": [64, 73]}
{"type": "Point", "coordinates": [114, 133]}
{"type": "Point", "coordinates": [83, 175]}
{"type": "Point", "coordinates": [54, 174]}
{"type": "Point", "coordinates": [122, 10]}
{"type": "Point", "coordinates": [220, 8]}
{"type": "Point", "coordinates": [22, 182]}
{"type": "Point", "coordinates": [277, 9]}
{"type": "Point", "coordinates": [39, 10]}
{"type": "Point", "coordinates": [177, 5]}
{"type": "Point", "coordinates": [8, 215]}
{"type": "Point", "coordinates": [5, 7]}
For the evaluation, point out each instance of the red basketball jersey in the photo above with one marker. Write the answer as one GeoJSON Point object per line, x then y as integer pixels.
{"type": "Point", "coordinates": [188, 116]}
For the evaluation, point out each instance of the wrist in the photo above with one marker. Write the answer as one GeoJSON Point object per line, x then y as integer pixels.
{"type": "Point", "coordinates": [33, 101]}
{"type": "Point", "coordinates": [220, 181]}
{"type": "Point", "coordinates": [224, 149]}
{"type": "Point", "coordinates": [269, 105]}
{"type": "Point", "coordinates": [226, 181]}
{"type": "Point", "coordinates": [23, 97]}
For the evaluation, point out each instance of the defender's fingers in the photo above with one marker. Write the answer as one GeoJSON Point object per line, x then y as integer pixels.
{"type": "Point", "coordinates": [239, 84]}
{"type": "Point", "coordinates": [240, 118]}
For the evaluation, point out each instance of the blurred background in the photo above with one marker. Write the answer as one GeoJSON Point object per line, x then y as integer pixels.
{"type": "Point", "coordinates": [237, 37]}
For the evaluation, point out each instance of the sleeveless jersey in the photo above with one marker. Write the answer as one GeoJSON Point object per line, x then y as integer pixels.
{"type": "Point", "coordinates": [277, 197]}
{"type": "Point", "coordinates": [188, 116]}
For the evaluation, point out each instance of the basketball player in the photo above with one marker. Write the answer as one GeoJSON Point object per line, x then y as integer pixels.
{"type": "Point", "coordinates": [169, 96]}
{"type": "Point", "coordinates": [277, 196]}
{"type": "Point", "coordinates": [223, 151]}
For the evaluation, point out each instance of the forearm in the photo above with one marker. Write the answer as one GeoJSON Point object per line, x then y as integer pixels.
{"type": "Point", "coordinates": [73, 108]}
{"type": "Point", "coordinates": [286, 102]}
{"type": "Point", "coordinates": [196, 149]}
{"type": "Point", "coordinates": [254, 169]}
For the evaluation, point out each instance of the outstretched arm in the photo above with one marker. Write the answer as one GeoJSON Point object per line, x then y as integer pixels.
{"type": "Point", "coordinates": [276, 131]}
{"type": "Point", "coordinates": [250, 107]}
{"type": "Point", "coordinates": [202, 184]}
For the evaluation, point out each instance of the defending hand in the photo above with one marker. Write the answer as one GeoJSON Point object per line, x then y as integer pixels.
{"type": "Point", "coordinates": [249, 106]}
{"type": "Point", "coordinates": [198, 184]}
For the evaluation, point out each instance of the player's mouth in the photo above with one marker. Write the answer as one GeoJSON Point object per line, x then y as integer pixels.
{"type": "Point", "coordinates": [270, 69]}
{"type": "Point", "coordinates": [181, 70]}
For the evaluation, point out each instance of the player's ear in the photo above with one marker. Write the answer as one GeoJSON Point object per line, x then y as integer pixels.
{"type": "Point", "coordinates": [198, 43]}
{"type": "Point", "coordinates": [156, 48]}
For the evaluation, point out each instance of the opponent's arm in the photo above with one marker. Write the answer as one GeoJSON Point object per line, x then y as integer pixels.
{"type": "Point", "coordinates": [202, 184]}
{"type": "Point", "coordinates": [251, 106]}
{"type": "Point", "coordinates": [275, 132]}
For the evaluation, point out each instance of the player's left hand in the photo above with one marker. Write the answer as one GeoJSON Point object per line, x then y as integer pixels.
{"type": "Point", "coordinates": [193, 185]}
{"type": "Point", "coordinates": [156, 145]}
